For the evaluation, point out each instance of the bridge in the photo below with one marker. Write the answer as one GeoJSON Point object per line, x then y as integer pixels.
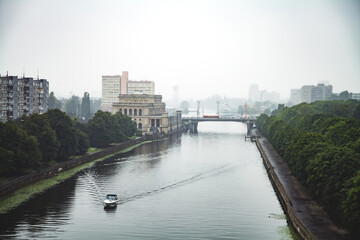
{"type": "Point", "coordinates": [191, 123]}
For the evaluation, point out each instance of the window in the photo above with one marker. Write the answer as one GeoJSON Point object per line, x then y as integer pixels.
{"type": "Point", "coordinates": [140, 112]}
{"type": "Point", "coordinates": [130, 112]}
{"type": "Point", "coordinates": [125, 111]}
{"type": "Point", "coordinates": [135, 112]}
{"type": "Point", "coordinates": [140, 126]}
{"type": "Point", "coordinates": [158, 122]}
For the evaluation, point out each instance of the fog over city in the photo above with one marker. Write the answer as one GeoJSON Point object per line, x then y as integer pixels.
{"type": "Point", "coordinates": [203, 47]}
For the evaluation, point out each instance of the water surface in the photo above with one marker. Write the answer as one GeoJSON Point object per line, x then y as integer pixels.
{"type": "Point", "coordinates": [210, 185]}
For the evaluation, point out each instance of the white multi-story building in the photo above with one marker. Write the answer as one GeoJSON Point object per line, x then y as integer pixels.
{"type": "Point", "coordinates": [311, 93]}
{"type": "Point", "coordinates": [141, 87]}
{"type": "Point", "coordinates": [110, 91]}
{"type": "Point", "coordinates": [114, 85]}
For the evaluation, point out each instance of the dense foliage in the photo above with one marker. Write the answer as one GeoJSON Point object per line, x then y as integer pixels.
{"type": "Point", "coordinates": [321, 143]}
{"type": "Point", "coordinates": [32, 142]}
{"type": "Point", "coordinates": [105, 128]}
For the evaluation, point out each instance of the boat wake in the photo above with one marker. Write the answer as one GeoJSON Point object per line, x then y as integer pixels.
{"type": "Point", "coordinates": [213, 172]}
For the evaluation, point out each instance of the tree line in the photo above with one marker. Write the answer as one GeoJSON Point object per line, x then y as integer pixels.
{"type": "Point", "coordinates": [321, 143]}
{"type": "Point", "coordinates": [35, 141]}
{"type": "Point", "coordinates": [83, 109]}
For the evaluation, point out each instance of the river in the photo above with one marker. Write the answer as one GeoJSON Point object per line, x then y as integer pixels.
{"type": "Point", "coordinates": [210, 185]}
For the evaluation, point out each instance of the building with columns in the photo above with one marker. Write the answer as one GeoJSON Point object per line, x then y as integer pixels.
{"type": "Point", "coordinates": [148, 112]}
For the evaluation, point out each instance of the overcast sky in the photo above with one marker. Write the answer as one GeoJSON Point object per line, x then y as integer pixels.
{"type": "Point", "coordinates": [204, 47]}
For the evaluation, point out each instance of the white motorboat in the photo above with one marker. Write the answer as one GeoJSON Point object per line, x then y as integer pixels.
{"type": "Point", "coordinates": [111, 200]}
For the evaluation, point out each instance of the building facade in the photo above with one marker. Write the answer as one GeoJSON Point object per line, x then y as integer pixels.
{"type": "Point", "coordinates": [311, 93]}
{"type": "Point", "coordinates": [148, 112]}
{"type": "Point", "coordinates": [110, 91]}
{"type": "Point", "coordinates": [22, 96]}
{"type": "Point", "coordinates": [41, 96]}
{"type": "Point", "coordinates": [295, 96]}
{"type": "Point", "coordinates": [141, 87]}
{"type": "Point", "coordinates": [355, 96]}
{"type": "Point", "coordinates": [114, 85]}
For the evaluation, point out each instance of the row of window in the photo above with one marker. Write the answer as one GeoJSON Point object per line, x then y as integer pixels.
{"type": "Point", "coordinates": [131, 112]}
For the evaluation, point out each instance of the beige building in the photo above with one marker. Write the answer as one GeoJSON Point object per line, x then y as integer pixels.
{"type": "Point", "coordinates": [114, 85]}
{"type": "Point", "coordinates": [110, 91]}
{"type": "Point", "coordinates": [148, 112]}
{"type": "Point", "coordinates": [141, 87]}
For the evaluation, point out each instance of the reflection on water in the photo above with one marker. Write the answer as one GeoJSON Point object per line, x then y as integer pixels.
{"type": "Point", "coordinates": [211, 185]}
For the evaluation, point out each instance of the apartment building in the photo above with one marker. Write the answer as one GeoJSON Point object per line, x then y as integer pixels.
{"type": "Point", "coordinates": [311, 93]}
{"type": "Point", "coordinates": [22, 96]}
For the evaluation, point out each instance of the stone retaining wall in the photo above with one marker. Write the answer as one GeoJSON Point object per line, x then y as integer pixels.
{"type": "Point", "coordinates": [309, 220]}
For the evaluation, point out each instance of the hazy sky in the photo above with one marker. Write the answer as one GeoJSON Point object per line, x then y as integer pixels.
{"type": "Point", "coordinates": [204, 47]}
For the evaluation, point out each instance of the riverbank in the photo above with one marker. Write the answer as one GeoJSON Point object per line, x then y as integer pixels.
{"type": "Point", "coordinates": [47, 179]}
{"type": "Point", "coordinates": [309, 220]}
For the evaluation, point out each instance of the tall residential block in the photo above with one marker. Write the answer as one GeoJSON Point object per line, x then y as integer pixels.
{"type": "Point", "coordinates": [22, 96]}
{"type": "Point", "coordinates": [110, 91]}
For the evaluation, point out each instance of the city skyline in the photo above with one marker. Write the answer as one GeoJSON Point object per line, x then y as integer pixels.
{"type": "Point", "coordinates": [204, 47]}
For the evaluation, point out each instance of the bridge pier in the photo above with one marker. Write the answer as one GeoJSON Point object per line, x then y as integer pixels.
{"type": "Point", "coordinates": [193, 127]}
{"type": "Point", "coordinates": [250, 126]}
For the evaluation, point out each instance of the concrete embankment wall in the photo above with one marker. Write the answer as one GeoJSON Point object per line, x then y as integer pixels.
{"type": "Point", "coordinates": [284, 199]}
{"type": "Point", "coordinates": [11, 186]}
{"type": "Point", "coordinates": [309, 220]}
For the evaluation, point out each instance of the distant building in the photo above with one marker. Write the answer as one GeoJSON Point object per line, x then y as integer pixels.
{"type": "Point", "coordinates": [355, 96]}
{"type": "Point", "coordinates": [114, 85]}
{"type": "Point", "coordinates": [41, 96]}
{"type": "Point", "coordinates": [311, 93]}
{"type": "Point", "coordinates": [257, 95]}
{"type": "Point", "coordinates": [141, 87]}
{"type": "Point", "coordinates": [110, 91]}
{"type": "Point", "coordinates": [22, 96]}
{"type": "Point", "coordinates": [254, 93]}
{"type": "Point", "coordinates": [270, 96]}
{"type": "Point", "coordinates": [148, 112]}
{"type": "Point", "coordinates": [295, 96]}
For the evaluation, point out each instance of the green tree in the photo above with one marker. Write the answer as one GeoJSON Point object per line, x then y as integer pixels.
{"type": "Point", "coordinates": [344, 96]}
{"type": "Point", "coordinates": [72, 106]}
{"type": "Point", "coordinates": [38, 126]}
{"type": "Point", "coordinates": [53, 102]}
{"type": "Point", "coordinates": [356, 113]}
{"type": "Point", "coordinates": [351, 206]}
{"type": "Point", "coordinates": [127, 126]}
{"type": "Point", "coordinates": [18, 150]}
{"type": "Point", "coordinates": [85, 111]}
{"type": "Point", "coordinates": [99, 129]}
{"type": "Point", "coordinates": [63, 127]}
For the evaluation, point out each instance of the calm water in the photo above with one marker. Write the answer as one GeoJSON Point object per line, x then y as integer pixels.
{"type": "Point", "coordinates": [212, 185]}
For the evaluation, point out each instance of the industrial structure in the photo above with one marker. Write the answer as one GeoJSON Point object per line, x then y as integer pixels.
{"type": "Point", "coordinates": [22, 96]}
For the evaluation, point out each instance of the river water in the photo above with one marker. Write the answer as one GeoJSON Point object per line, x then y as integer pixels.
{"type": "Point", "coordinates": [210, 185]}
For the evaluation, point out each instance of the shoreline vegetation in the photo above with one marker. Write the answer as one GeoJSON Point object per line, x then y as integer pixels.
{"type": "Point", "coordinates": [25, 193]}
{"type": "Point", "coordinates": [320, 142]}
